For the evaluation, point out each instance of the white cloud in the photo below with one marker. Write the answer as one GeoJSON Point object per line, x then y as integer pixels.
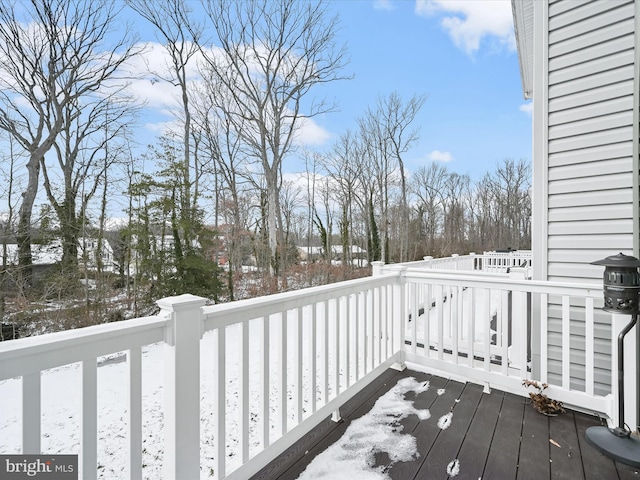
{"type": "Point", "coordinates": [469, 21]}
{"type": "Point", "coordinates": [527, 108]}
{"type": "Point", "coordinates": [146, 71]}
{"type": "Point", "coordinates": [162, 99]}
{"type": "Point", "coordinates": [164, 127]}
{"type": "Point", "coordinates": [383, 5]}
{"type": "Point", "coordinates": [310, 133]}
{"type": "Point", "coordinates": [438, 156]}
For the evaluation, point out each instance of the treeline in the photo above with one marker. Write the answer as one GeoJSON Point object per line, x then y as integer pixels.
{"type": "Point", "coordinates": [209, 199]}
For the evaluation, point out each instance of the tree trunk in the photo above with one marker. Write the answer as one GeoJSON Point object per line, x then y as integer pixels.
{"type": "Point", "coordinates": [272, 226]}
{"type": "Point", "coordinates": [23, 237]}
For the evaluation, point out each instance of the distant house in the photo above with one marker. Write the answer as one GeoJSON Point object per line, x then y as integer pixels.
{"type": "Point", "coordinates": [311, 254]}
{"type": "Point", "coordinates": [219, 250]}
{"type": "Point", "coordinates": [357, 253]}
{"type": "Point", "coordinates": [88, 249]}
{"type": "Point", "coordinates": [45, 256]}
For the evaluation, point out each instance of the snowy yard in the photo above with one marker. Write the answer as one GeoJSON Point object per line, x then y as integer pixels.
{"type": "Point", "coordinates": [62, 395]}
{"type": "Point", "coordinates": [352, 456]}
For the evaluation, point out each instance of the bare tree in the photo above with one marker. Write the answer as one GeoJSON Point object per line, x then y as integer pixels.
{"type": "Point", "coordinates": [225, 162]}
{"type": "Point", "coordinates": [180, 35]}
{"type": "Point", "coordinates": [506, 205]}
{"type": "Point", "coordinates": [368, 190]}
{"type": "Point", "coordinates": [343, 166]}
{"type": "Point", "coordinates": [52, 53]}
{"type": "Point", "coordinates": [453, 195]}
{"type": "Point", "coordinates": [312, 162]}
{"type": "Point", "coordinates": [273, 52]}
{"type": "Point", "coordinates": [428, 186]}
{"type": "Point", "coordinates": [381, 168]}
{"type": "Point", "coordinates": [9, 182]}
{"type": "Point", "coordinates": [325, 189]}
{"type": "Point", "coordinates": [388, 126]}
{"type": "Point", "coordinates": [290, 199]}
{"type": "Point", "coordinates": [82, 154]}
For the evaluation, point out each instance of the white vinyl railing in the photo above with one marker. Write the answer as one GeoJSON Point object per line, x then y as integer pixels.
{"type": "Point", "coordinates": [475, 327]}
{"type": "Point", "coordinates": [279, 365]}
{"type": "Point", "coordinates": [320, 346]}
{"type": "Point", "coordinates": [296, 358]}
{"type": "Point", "coordinates": [29, 357]}
{"type": "Point", "coordinates": [487, 262]}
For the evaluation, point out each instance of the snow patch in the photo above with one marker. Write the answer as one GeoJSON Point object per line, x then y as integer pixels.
{"type": "Point", "coordinates": [379, 431]}
{"type": "Point", "coordinates": [441, 391]}
{"type": "Point", "coordinates": [445, 421]}
{"type": "Point", "coordinates": [453, 468]}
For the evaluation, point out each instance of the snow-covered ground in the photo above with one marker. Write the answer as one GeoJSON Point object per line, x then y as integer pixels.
{"type": "Point", "coordinates": [352, 456]}
{"type": "Point", "coordinates": [62, 395]}
{"type": "Point", "coordinates": [61, 401]}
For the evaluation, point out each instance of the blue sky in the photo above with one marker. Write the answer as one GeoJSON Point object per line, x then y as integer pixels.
{"type": "Point", "coordinates": [460, 54]}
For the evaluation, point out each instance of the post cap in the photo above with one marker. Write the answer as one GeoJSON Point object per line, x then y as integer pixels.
{"type": "Point", "coordinates": [620, 260]}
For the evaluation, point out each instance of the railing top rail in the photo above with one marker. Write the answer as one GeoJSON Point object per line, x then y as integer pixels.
{"type": "Point", "coordinates": [233, 312]}
{"type": "Point", "coordinates": [33, 354]}
{"type": "Point", "coordinates": [461, 273]}
{"type": "Point", "coordinates": [429, 261]}
{"type": "Point", "coordinates": [519, 253]}
{"type": "Point", "coordinates": [499, 282]}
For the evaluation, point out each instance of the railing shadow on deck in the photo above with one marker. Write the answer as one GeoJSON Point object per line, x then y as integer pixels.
{"type": "Point", "coordinates": [279, 365]}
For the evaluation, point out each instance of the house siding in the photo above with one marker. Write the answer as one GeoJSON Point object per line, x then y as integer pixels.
{"type": "Point", "coordinates": [589, 131]}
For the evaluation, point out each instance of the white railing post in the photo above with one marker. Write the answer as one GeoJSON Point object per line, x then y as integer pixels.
{"type": "Point", "coordinates": [456, 259]}
{"type": "Point", "coordinates": [399, 315]}
{"type": "Point", "coordinates": [31, 417]}
{"type": "Point", "coordinates": [376, 268]}
{"type": "Point", "coordinates": [427, 261]}
{"type": "Point", "coordinates": [518, 324]}
{"type": "Point", "coordinates": [182, 385]}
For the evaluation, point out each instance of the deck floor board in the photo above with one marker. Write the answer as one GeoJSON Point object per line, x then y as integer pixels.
{"type": "Point", "coordinates": [565, 461]}
{"type": "Point", "coordinates": [504, 448]}
{"type": "Point", "coordinates": [448, 443]}
{"type": "Point", "coordinates": [534, 447]}
{"type": "Point", "coordinates": [475, 448]}
{"type": "Point", "coordinates": [291, 463]}
{"type": "Point", "coordinates": [496, 435]}
{"type": "Point", "coordinates": [596, 465]}
{"type": "Point", "coordinates": [426, 433]}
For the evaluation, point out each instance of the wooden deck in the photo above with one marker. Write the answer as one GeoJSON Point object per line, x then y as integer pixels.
{"type": "Point", "coordinates": [494, 436]}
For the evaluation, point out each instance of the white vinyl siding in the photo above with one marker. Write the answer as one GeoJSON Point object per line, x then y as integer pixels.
{"type": "Point", "coordinates": [590, 136]}
{"type": "Point", "coordinates": [589, 143]}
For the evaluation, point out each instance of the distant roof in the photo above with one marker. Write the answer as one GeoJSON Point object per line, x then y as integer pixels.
{"type": "Point", "coordinates": [50, 253]}
{"type": "Point", "coordinates": [354, 249]}
{"type": "Point", "coordinates": [523, 24]}
{"type": "Point", "coordinates": [334, 249]}
{"type": "Point", "coordinates": [41, 254]}
{"type": "Point", "coordinates": [311, 250]}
